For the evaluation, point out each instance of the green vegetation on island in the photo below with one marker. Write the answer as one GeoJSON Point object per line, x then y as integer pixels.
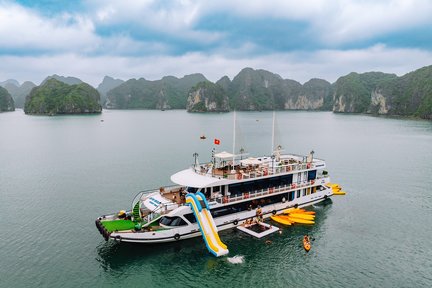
{"type": "Point", "coordinates": [168, 93]}
{"type": "Point", "coordinates": [409, 95]}
{"type": "Point", "coordinates": [262, 90]}
{"type": "Point", "coordinates": [19, 92]}
{"type": "Point", "coordinates": [373, 93]}
{"type": "Point", "coordinates": [6, 101]}
{"type": "Point", "coordinates": [352, 93]}
{"type": "Point", "coordinates": [55, 97]}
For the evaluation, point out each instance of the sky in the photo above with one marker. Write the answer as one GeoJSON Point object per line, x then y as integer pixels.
{"type": "Point", "coordinates": [126, 39]}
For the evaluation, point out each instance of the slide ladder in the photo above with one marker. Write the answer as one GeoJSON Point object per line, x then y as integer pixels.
{"type": "Point", "coordinates": [206, 224]}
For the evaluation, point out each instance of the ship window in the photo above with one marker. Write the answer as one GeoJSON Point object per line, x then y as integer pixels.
{"type": "Point", "coordinates": [172, 221]}
{"type": "Point", "coordinates": [291, 196]}
{"type": "Point", "coordinates": [286, 179]}
{"type": "Point", "coordinates": [191, 189]}
{"type": "Point", "coordinates": [298, 193]}
{"type": "Point", "coordinates": [311, 175]}
{"type": "Point", "coordinates": [216, 189]}
{"type": "Point", "coordinates": [190, 217]}
{"type": "Point", "coordinates": [235, 189]}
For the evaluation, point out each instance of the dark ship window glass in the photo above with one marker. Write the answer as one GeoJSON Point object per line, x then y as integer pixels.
{"type": "Point", "coordinates": [172, 221]}
{"type": "Point", "coordinates": [190, 217]}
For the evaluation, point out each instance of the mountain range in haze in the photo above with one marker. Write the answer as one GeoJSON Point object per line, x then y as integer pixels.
{"type": "Point", "coordinates": [372, 92]}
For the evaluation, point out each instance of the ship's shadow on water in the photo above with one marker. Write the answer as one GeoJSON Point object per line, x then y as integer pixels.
{"type": "Point", "coordinates": [120, 256]}
{"type": "Point", "coordinates": [115, 255]}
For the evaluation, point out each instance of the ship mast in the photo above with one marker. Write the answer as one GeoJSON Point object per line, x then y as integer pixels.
{"type": "Point", "coordinates": [234, 139]}
{"type": "Point", "coordinates": [273, 134]}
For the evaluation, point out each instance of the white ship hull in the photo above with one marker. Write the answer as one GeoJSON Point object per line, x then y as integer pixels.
{"type": "Point", "coordinates": [222, 222]}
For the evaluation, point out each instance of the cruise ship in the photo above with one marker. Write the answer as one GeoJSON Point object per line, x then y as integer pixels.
{"type": "Point", "coordinates": [219, 195]}
{"type": "Point", "coordinates": [226, 192]}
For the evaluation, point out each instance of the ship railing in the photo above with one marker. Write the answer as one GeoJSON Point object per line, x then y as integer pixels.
{"type": "Point", "coordinates": [262, 170]}
{"type": "Point", "coordinates": [272, 190]}
{"type": "Point", "coordinates": [143, 194]}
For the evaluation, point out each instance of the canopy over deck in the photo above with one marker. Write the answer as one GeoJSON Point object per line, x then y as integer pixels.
{"type": "Point", "coordinates": [224, 155]}
{"type": "Point", "coordinates": [250, 161]}
{"type": "Point", "coordinates": [189, 178]}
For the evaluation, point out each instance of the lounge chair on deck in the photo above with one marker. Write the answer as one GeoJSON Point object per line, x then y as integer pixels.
{"type": "Point", "coordinates": [244, 175]}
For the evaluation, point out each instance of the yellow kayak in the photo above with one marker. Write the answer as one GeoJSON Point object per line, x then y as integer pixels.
{"type": "Point", "coordinates": [294, 210]}
{"type": "Point", "coordinates": [298, 211]}
{"type": "Point", "coordinates": [309, 212]}
{"type": "Point", "coordinates": [281, 220]}
{"type": "Point", "coordinates": [339, 192]}
{"type": "Point", "coordinates": [302, 216]}
{"type": "Point", "coordinates": [301, 221]}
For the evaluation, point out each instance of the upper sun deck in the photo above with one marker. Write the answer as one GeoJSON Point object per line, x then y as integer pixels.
{"type": "Point", "coordinates": [226, 169]}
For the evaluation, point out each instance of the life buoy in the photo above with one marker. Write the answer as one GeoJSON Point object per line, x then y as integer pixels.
{"type": "Point", "coordinates": [271, 190]}
{"type": "Point", "coordinates": [225, 199]}
{"type": "Point", "coordinates": [308, 165]}
{"type": "Point", "coordinates": [235, 222]}
{"type": "Point", "coordinates": [312, 182]}
{"type": "Point", "coordinates": [289, 168]}
{"type": "Point", "coordinates": [239, 176]}
{"type": "Point", "coordinates": [265, 172]}
{"type": "Point", "coordinates": [246, 195]}
{"type": "Point", "coordinates": [293, 186]}
{"type": "Point", "coordinates": [274, 212]}
{"type": "Point", "coordinates": [177, 236]}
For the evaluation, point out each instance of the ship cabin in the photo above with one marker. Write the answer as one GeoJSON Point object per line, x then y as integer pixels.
{"type": "Point", "coordinates": [231, 178]}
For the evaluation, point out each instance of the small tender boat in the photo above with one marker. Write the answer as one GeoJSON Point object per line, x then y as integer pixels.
{"type": "Point", "coordinates": [203, 137]}
{"type": "Point", "coordinates": [306, 243]}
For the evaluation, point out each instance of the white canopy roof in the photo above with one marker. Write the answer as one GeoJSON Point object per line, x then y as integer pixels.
{"type": "Point", "coordinates": [156, 201]}
{"type": "Point", "coordinates": [224, 155]}
{"type": "Point", "coordinates": [250, 161]}
{"type": "Point", "coordinates": [189, 178]}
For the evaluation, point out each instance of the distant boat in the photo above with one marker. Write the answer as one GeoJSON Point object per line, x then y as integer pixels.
{"type": "Point", "coordinates": [202, 137]}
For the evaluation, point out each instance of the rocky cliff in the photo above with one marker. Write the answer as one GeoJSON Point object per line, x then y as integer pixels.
{"type": "Point", "coordinates": [409, 95]}
{"type": "Point", "coordinates": [55, 97]}
{"type": "Point", "coordinates": [352, 93]}
{"type": "Point", "coordinates": [207, 97]}
{"type": "Point", "coordinates": [6, 101]}
{"type": "Point", "coordinates": [385, 94]}
{"type": "Point", "coordinates": [168, 93]}
{"type": "Point", "coordinates": [108, 83]}
{"type": "Point", "coordinates": [262, 90]}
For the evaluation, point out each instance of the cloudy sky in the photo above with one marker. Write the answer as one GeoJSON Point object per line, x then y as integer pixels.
{"type": "Point", "coordinates": [131, 38]}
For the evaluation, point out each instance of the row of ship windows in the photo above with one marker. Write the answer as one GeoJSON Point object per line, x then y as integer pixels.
{"type": "Point", "coordinates": [239, 207]}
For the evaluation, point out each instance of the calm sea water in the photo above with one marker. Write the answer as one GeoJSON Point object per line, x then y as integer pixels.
{"type": "Point", "coordinates": [57, 174]}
